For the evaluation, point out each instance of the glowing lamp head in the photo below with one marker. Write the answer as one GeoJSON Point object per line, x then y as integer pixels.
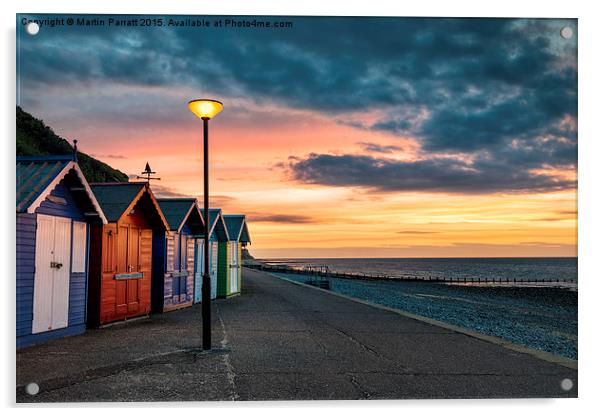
{"type": "Point", "coordinates": [205, 109]}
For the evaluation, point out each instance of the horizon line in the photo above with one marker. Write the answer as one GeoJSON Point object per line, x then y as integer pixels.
{"type": "Point", "coordinates": [416, 257]}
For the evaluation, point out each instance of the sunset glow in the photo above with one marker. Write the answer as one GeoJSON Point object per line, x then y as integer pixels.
{"type": "Point", "coordinates": [315, 176]}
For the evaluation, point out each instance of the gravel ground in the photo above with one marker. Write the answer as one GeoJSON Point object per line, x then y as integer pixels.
{"type": "Point", "coordinates": [537, 317]}
{"type": "Point", "coordinates": [279, 341]}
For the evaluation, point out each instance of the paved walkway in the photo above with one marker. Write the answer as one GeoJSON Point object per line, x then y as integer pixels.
{"type": "Point", "coordinates": [281, 341]}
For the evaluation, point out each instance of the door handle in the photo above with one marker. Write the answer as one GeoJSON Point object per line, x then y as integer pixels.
{"type": "Point", "coordinates": [56, 265]}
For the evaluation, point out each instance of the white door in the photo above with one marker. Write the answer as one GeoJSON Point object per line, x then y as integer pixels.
{"type": "Point", "coordinates": [213, 268]}
{"type": "Point", "coordinates": [43, 279]}
{"type": "Point", "coordinates": [51, 282]}
{"type": "Point", "coordinates": [234, 267]}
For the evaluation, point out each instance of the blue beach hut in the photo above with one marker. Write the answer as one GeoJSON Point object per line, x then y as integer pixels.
{"type": "Point", "coordinates": [217, 234]}
{"type": "Point", "coordinates": [55, 208]}
{"type": "Point", "coordinates": [174, 254]}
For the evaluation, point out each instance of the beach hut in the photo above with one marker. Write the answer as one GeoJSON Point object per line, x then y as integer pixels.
{"type": "Point", "coordinates": [121, 252]}
{"type": "Point", "coordinates": [55, 208]}
{"type": "Point", "coordinates": [174, 254]}
{"type": "Point", "coordinates": [217, 235]}
{"type": "Point", "coordinates": [229, 274]}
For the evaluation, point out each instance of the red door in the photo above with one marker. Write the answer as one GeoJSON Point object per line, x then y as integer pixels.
{"type": "Point", "coordinates": [133, 288]}
{"type": "Point", "coordinates": [127, 275]}
{"type": "Point", "coordinates": [127, 296]}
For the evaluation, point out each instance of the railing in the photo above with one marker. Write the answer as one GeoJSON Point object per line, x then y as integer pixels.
{"type": "Point", "coordinates": [324, 271]}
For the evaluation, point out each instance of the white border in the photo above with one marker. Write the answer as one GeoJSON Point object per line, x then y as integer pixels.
{"type": "Point", "coordinates": [590, 33]}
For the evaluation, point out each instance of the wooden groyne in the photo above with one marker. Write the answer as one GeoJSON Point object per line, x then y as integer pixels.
{"type": "Point", "coordinates": [325, 272]}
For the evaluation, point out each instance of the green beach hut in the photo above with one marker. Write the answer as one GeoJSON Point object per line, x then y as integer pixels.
{"type": "Point", "coordinates": [229, 269]}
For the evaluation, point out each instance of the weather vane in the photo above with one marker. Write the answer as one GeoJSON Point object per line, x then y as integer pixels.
{"type": "Point", "coordinates": [148, 172]}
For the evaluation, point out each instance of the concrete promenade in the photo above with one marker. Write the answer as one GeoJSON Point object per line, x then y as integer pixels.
{"type": "Point", "coordinates": [282, 341]}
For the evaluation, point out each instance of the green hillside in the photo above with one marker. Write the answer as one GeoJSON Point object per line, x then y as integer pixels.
{"type": "Point", "coordinates": [34, 138]}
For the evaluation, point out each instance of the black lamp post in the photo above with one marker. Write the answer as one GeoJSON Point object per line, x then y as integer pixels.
{"type": "Point", "coordinates": [206, 110]}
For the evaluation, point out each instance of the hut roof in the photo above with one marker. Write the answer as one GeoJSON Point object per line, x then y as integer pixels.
{"type": "Point", "coordinates": [178, 210]}
{"type": "Point", "coordinates": [37, 176]}
{"type": "Point", "coordinates": [237, 228]}
{"type": "Point", "coordinates": [115, 198]}
{"type": "Point", "coordinates": [217, 224]}
{"type": "Point", "coordinates": [118, 198]}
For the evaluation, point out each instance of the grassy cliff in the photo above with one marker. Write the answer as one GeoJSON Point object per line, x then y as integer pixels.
{"type": "Point", "coordinates": [34, 138]}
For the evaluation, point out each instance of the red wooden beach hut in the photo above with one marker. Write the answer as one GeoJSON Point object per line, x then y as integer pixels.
{"type": "Point", "coordinates": [121, 252]}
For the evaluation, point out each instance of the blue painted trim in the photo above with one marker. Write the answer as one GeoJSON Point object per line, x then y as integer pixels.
{"type": "Point", "coordinates": [26, 225]}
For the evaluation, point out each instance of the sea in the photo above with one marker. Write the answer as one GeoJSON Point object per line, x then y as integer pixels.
{"type": "Point", "coordinates": [547, 271]}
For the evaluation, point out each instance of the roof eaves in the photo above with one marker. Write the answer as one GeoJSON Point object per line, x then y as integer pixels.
{"type": "Point", "coordinates": [192, 205]}
{"type": "Point", "coordinates": [49, 187]}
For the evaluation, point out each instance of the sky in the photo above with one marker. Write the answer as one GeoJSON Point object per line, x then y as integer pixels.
{"type": "Point", "coordinates": [339, 137]}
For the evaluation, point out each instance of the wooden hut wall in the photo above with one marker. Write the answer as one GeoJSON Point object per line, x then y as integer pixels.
{"type": "Point", "coordinates": [214, 264]}
{"type": "Point", "coordinates": [198, 269]}
{"type": "Point", "coordinates": [159, 263]}
{"type": "Point", "coordinates": [239, 266]}
{"type": "Point", "coordinates": [189, 264]}
{"type": "Point", "coordinates": [223, 269]}
{"type": "Point", "coordinates": [120, 275]}
{"type": "Point", "coordinates": [179, 271]}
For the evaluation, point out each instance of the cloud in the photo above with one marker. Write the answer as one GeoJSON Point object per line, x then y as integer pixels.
{"type": "Point", "coordinates": [281, 218]}
{"type": "Point", "coordinates": [484, 175]}
{"type": "Point", "coordinates": [569, 212]}
{"type": "Point", "coordinates": [215, 201]}
{"type": "Point", "coordinates": [501, 91]}
{"type": "Point", "coordinates": [334, 64]}
{"type": "Point", "coordinates": [377, 148]}
{"type": "Point", "coordinates": [108, 156]}
{"type": "Point", "coordinates": [561, 215]}
{"type": "Point", "coordinates": [416, 232]}
{"type": "Point", "coordinates": [221, 201]}
{"type": "Point", "coordinates": [162, 191]}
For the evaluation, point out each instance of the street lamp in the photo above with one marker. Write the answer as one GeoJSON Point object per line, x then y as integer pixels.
{"type": "Point", "coordinates": [206, 110]}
